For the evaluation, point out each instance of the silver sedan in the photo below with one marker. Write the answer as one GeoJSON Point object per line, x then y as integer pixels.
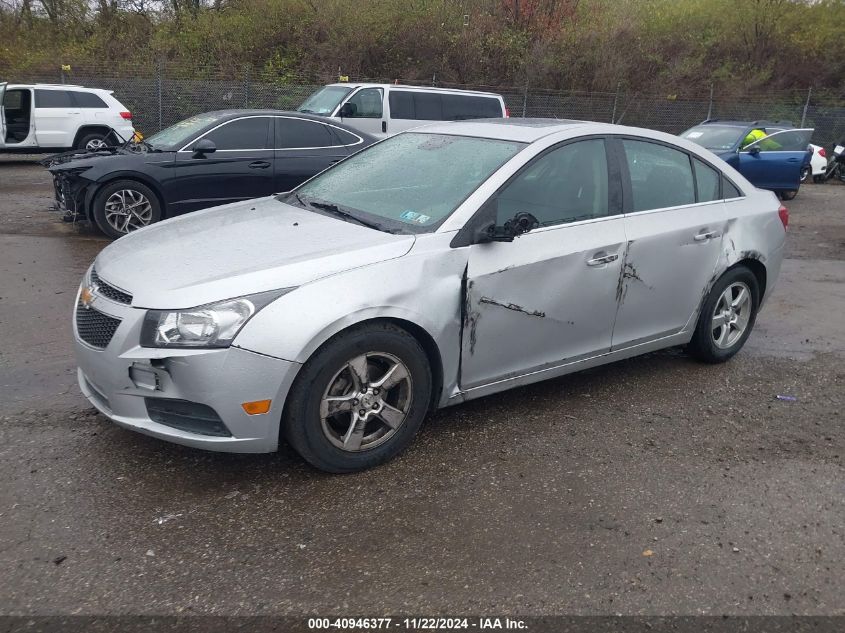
{"type": "Point", "coordinates": [437, 266]}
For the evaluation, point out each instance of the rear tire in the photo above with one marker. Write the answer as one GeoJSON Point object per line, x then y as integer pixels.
{"type": "Point", "coordinates": [93, 141]}
{"type": "Point", "coordinates": [339, 419]}
{"type": "Point", "coordinates": [124, 206]}
{"type": "Point", "coordinates": [788, 194]}
{"type": "Point", "coordinates": [727, 316]}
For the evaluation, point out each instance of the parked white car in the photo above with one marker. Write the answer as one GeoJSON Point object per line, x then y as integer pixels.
{"type": "Point", "coordinates": [51, 117]}
{"type": "Point", "coordinates": [386, 109]}
{"type": "Point", "coordinates": [817, 166]}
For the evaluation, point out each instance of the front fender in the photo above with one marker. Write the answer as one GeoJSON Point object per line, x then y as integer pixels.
{"type": "Point", "coordinates": [423, 288]}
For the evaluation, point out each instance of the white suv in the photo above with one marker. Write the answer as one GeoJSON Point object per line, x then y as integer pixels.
{"type": "Point", "coordinates": [49, 117]}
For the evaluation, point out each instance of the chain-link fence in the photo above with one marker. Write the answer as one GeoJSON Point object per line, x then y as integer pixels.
{"type": "Point", "coordinates": [167, 93]}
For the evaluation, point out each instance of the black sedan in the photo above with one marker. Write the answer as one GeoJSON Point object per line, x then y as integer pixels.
{"type": "Point", "coordinates": [204, 161]}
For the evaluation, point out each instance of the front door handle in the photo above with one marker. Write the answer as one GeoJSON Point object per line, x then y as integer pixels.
{"type": "Point", "coordinates": [602, 259]}
{"type": "Point", "coordinates": [259, 164]}
{"type": "Point", "coordinates": [706, 235]}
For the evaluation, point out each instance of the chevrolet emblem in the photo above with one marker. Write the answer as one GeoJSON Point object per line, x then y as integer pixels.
{"type": "Point", "coordinates": [86, 297]}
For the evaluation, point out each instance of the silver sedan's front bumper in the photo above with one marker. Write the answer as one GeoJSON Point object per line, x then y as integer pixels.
{"type": "Point", "coordinates": [121, 378]}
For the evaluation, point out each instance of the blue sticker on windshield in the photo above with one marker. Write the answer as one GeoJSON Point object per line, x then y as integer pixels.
{"type": "Point", "coordinates": [409, 215]}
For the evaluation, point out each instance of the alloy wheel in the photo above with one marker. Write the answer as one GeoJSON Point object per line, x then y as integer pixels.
{"type": "Point", "coordinates": [127, 210]}
{"type": "Point", "coordinates": [95, 143]}
{"type": "Point", "coordinates": [366, 401]}
{"type": "Point", "coordinates": [731, 315]}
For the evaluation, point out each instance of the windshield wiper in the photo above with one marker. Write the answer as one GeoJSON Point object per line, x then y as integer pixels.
{"type": "Point", "coordinates": [333, 208]}
{"type": "Point", "coordinates": [306, 111]}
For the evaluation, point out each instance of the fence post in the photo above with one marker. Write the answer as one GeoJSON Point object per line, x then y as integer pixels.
{"type": "Point", "coordinates": [525, 100]}
{"type": "Point", "coordinates": [710, 104]}
{"type": "Point", "coordinates": [246, 87]}
{"type": "Point", "coordinates": [158, 89]}
{"type": "Point", "coordinates": [806, 105]}
{"type": "Point", "coordinates": [615, 102]}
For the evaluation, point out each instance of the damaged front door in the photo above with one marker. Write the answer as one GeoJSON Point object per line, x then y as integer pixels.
{"type": "Point", "coordinates": [548, 297]}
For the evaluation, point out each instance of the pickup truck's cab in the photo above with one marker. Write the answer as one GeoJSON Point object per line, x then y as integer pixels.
{"type": "Point", "coordinates": [48, 117]}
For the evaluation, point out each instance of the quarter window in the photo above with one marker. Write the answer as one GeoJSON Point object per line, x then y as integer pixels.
{"type": "Point", "coordinates": [88, 100]}
{"type": "Point", "coordinates": [367, 104]}
{"type": "Point", "coordinates": [565, 185]}
{"type": "Point", "coordinates": [52, 99]}
{"type": "Point", "coordinates": [660, 176]}
{"type": "Point", "coordinates": [706, 182]}
{"type": "Point", "coordinates": [300, 133]}
{"type": "Point", "coordinates": [242, 134]}
{"type": "Point", "coordinates": [729, 189]}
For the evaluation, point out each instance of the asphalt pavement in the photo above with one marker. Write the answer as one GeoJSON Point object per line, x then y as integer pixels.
{"type": "Point", "coordinates": [656, 485]}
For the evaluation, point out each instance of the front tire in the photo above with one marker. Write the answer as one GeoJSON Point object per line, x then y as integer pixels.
{"type": "Point", "coordinates": [805, 172]}
{"type": "Point", "coordinates": [788, 194]}
{"type": "Point", "coordinates": [125, 206]}
{"type": "Point", "coordinates": [360, 399]}
{"type": "Point", "coordinates": [727, 316]}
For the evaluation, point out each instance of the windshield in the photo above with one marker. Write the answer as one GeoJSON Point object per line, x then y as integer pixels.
{"type": "Point", "coordinates": [325, 100]}
{"type": "Point", "coordinates": [714, 137]}
{"type": "Point", "coordinates": [174, 137]}
{"type": "Point", "coordinates": [408, 183]}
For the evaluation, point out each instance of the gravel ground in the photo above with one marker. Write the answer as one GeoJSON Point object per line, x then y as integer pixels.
{"type": "Point", "coordinates": [653, 486]}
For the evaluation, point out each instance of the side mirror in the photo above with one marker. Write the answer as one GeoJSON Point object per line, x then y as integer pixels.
{"type": "Point", "coordinates": [521, 223]}
{"type": "Point", "coordinates": [204, 146]}
{"type": "Point", "coordinates": [348, 110]}
{"type": "Point", "coordinates": [754, 151]}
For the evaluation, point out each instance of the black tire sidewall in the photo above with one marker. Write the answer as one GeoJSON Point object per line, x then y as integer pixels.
{"type": "Point", "coordinates": [702, 344]}
{"type": "Point", "coordinates": [99, 204]}
{"type": "Point", "coordinates": [301, 424]}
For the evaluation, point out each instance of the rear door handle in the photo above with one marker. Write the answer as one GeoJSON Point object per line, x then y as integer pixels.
{"type": "Point", "coordinates": [259, 164]}
{"type": "Point", "coordinates": [704, 236]}
{"type": "Point", "coordinates": [602, 259]}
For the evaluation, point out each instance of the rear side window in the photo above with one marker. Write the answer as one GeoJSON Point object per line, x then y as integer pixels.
{"type": "Point", "coordinates": [660, 176]}
{"type": "Point", "coordinates": [428, 106]}
{"type": "Point", "coordinates": [242, 134]}
{"type": "Point", "coordinates": [343, 137]}
{"type": "Point", "coordinates": [52, 99]}
{"type": "Point", "coordinates": [300, 133]}
{"type": "Point", "coordinates": [88, 100]}
{"type": "Point", "coordinates": [460, 107]}
{"type": "Point", "coordinates": [706, 182]}
{"type": "Point", "coordinates": [729, 189]}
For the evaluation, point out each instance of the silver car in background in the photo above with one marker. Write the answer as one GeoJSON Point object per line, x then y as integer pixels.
{"type": "Point", "coordinates": [434, 267]}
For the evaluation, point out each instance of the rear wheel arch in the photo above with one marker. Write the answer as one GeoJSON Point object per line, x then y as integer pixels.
{"type": "Point", "coordinates": [757, 268]}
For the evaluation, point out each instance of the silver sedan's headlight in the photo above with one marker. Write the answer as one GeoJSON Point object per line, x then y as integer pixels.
{"type": "Point", "coordinates": [212, 325]}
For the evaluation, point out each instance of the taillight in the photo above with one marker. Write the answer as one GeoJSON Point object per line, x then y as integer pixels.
{"type": "Point", "coordinates": [822, 153]}
{"type": "Point", "coordinates": [507, 112]}
{"type": "Point", "coordinates": [126, 115]}
{"type": "Point", "coordinates": [783, 214]}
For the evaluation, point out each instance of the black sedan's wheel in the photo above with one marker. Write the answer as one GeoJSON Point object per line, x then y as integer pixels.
{"type": "Point", "coordinates": [125, 206]}
{"type": "Point", "coordinates": [360, 400]}
{"type": "Point", "coordinates": [727, 316]}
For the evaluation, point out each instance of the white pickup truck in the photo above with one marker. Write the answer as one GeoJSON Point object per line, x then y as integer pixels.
{"type": "Point", "coordinates": [55, 117]}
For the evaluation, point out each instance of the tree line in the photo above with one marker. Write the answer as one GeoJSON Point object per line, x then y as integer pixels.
{"type": "Point", "coordinates": [677, 46]}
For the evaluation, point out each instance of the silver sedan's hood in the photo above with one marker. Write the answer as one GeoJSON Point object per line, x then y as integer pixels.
{"type": "Point", "coordinates": [239, 249]}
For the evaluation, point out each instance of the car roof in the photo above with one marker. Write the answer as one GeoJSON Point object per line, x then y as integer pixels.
{"type": "Point", "coordinates": [734, 123]}
{"type": "Point", "coordinates": [511, 129]}
{"type": "Point", "coordinates": [419, 88]}
{"type": "Point", "coordinates": [233, 113]}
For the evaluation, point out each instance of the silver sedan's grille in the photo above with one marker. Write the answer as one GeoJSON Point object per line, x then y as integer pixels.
{"type": "Point", "coordinates": [109, 291]}
{"type": "Point", "coordinates": [94, 327]}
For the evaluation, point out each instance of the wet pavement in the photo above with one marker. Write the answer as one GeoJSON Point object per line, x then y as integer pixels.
{"type": "Point", "coordinates": [654, 486]}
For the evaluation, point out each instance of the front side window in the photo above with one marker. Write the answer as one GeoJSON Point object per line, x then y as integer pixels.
{"type": "Point", "coordinates": [706, 182]}
{"type": "Point", "coordinates": [566, 184]}
{"type": "Point", "coordinates": [410, 182]}
{"type": "Point", "coordinates": [660, 176]}
{"type": "Point", "coordinates": [366, 104]}
{"type": "Point", "coordinates": [300, 133]}
{"type": "Point", "coordinates": [52, 99]}
{"type": "Point", "coordinates": [241, 134]}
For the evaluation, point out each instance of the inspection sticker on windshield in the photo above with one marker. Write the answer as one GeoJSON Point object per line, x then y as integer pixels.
{"type": "Point", "coordinates": [413, 216]}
